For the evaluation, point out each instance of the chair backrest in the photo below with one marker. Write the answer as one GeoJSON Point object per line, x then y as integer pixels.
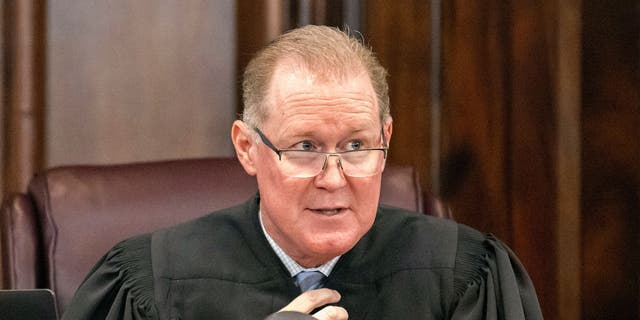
{"type": "Point", "coordinates": [52, 236]}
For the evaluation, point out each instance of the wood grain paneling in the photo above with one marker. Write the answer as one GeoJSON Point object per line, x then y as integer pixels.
{"type": "Point", "coordinates": [257, 23]}
{"type": "Point", "coordinates": [568, 87]}
{"type": "Point", "coordinates": [398, 32]}
{"type": "Point", "coordinates": [533, 142]}
{"type": "Point", "coordinates": [23, 92]}
{"type": "Point", "coordinates": [3, 93]}
{"type": "Point", "coordinates": [509, 118]}
{"type": "Point", "coordinates": [139, 80]}
{"type": "Point", "coordinates": [611, 160]}
{"type": "Point", "coordinates": [475, 111]}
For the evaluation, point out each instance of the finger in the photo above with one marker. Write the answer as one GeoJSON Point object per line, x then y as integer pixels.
{"type": "Point", "coordinates": [332, 313]}
{"type": "Point", "coordinates": [312, 299]}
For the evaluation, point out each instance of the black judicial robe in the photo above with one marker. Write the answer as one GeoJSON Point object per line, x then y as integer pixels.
{"type": "Point", "coordinates": [220, 266]}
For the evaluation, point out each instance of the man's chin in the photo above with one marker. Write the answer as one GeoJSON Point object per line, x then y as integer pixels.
{"type": "Point", "coordinates": [332, 248]}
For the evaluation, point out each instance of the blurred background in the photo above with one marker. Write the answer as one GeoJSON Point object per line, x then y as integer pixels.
{"type": "Point", "coordinates": [523, 116]}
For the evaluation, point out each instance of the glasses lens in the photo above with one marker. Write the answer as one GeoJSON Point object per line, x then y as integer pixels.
{"type": "Point", "coordinates": [306, 164]}
{"type": "Point", "coordinates": [363, 163]}
{"type": "Point", "coordinates": [301, 164]}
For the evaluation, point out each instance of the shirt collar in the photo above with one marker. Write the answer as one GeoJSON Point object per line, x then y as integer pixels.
{"type": "Point", "coordinates": [292, 266]}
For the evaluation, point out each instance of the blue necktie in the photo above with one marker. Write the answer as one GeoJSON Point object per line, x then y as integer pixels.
{"type": "Point", "coordinates": [309, 280]}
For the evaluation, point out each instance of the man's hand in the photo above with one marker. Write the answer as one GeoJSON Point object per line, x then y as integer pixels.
{"type": "Point", "coordinates": [313, 299]}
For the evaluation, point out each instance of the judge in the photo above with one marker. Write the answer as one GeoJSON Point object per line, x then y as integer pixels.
{"type": "Point", "coordinates": [313, 243]}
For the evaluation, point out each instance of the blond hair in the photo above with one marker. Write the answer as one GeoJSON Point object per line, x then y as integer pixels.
{"type": "Point", "coordinates": [326, 52]}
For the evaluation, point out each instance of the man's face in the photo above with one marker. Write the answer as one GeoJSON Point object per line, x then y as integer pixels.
{"type": "Point", "coordinates": [318, 218]}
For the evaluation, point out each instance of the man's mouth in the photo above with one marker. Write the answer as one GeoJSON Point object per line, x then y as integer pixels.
{"type": "Point", "coordinates": [328, 211]}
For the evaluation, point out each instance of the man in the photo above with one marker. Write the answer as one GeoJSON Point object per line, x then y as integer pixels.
{"type": "Point", "coordinates": [315, 133]}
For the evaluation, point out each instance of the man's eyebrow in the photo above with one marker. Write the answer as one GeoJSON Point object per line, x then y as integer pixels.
{"type": "Point", "coordinates": [306, 134]}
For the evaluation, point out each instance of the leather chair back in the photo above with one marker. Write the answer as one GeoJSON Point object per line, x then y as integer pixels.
{"type": "Point", "coordinates": [70, 216]}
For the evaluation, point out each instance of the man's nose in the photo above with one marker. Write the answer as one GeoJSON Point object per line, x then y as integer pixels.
{"type": "Point", "coordinates": [332, 177]}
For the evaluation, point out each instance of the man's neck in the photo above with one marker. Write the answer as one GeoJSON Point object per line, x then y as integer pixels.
{"type": "Point", "coordinates": [291, 264]}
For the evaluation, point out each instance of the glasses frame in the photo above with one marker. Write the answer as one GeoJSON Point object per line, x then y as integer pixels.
{"type": "Point", "coordinates": [279, 152]}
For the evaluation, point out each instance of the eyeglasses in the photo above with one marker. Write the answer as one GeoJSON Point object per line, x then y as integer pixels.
{"type": "Point", "coordinates": [308, 163]}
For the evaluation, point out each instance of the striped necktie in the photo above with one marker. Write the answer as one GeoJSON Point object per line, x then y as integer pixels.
{"type": "Point", "coordinates": [309, 280]}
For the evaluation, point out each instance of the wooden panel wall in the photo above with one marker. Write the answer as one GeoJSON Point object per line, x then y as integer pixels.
{"type": "Point", "coordinates": [475, 113]}
{"type": "Point", "coordinates": [611, 160]}
{"type": "Point", "coordinates": [23, 67]}
{"type": "Point", "coordinates": [399, 33]}
{"type": "Point", "coordinates": [499, 160]}
{"type": "Point", "coordinates": [257, 22]}
{"type": "Point", "coordinates": [139, 80]}
{"type": "Point", "coordinates": [2, 96]}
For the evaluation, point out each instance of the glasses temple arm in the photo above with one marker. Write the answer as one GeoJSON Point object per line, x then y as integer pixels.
{"type": "Point", "coordinates": [268, 143]}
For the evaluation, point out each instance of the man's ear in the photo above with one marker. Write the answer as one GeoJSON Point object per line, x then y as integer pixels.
{"type": "Point", "coordinates": [244, 142]}
{"type": "Point", "coordinates": [388, 129]}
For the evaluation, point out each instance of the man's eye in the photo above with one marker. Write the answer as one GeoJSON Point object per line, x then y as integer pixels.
{"type": "Point", "coordinates": [355, 145]}
{"type": "Point", "coordinates": [304, 145]}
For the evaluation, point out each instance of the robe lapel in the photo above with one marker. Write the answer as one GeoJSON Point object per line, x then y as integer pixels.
{"type": "Point", "coordinates": [357, 299]}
